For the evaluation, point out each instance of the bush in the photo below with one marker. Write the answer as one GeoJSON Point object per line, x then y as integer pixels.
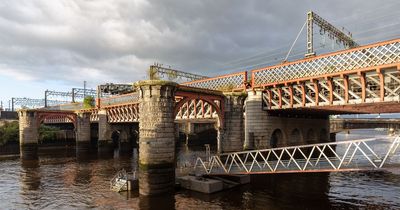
{"type": "Point", "coordinates": [47, 133]}
{"type": "Point", "coordinates": [88, 102]}
{"type": "Point", "coordinates": [9, 132]}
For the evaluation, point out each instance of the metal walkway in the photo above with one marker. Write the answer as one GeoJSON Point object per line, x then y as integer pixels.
{"type": "Point", "coordinates": [351, 155]}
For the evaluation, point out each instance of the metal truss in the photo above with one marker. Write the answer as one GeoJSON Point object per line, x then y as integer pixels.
{"type": "Point", "coordinates": [172, 74]}
{"type": "Point", "coordinates": [123, 113]}
{"type": "Point", "coordinates": [228, 82]}
{"type": "Point", "coordinates": [55, 117]}
{"type": "Point", "coordinates": [336, 156]}
{"type": "Point", "coordinates": [351, 88]}
{"type": "Point", "coordinates": [325, 26]}
{"type": "Point", "coordinates": [73, 95]}
{"type": "Point", "coordinates": [197, 109]}
{"type": "Point", "coordinates": [379, 55]}
{"type": "Point", "coordinates": [114, 89]}
{"type": "Point", "coordinates": [120, 99]}
{"type": "Point", "coordinates": [33, 103]}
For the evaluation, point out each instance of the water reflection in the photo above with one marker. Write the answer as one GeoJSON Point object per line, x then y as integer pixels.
{"type": "Point", "coordinates": [67, 179]}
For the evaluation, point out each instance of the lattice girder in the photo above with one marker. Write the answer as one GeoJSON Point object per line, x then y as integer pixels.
{"type": "Point", "coordinates": [123, 113]}
{"type": "Point", "coordinates": [372, 86]}
{"type": "Point", "coordinates": [379, 55]}
{"type": "Point", "coordinates": [235, 81]}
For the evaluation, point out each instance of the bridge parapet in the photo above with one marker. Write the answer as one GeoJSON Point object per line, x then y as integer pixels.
{"type": "Point", "coordinates": [235, 82]}
{"type": "Point", "coordinates": [356, 59]}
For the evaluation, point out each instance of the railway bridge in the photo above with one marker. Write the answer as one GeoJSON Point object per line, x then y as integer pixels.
{"type": "Point", "coordinates": [283, 105]}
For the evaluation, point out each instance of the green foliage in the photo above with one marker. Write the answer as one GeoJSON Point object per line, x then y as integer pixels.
{"type": "Point", "coordinates": [88, 102]}
{"type": "Point", "coordinates": [9, 132]}
{"type": "Point", "coordinates": [47, 133]}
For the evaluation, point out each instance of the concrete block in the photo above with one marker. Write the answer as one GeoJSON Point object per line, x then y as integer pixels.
{"type": "Point", "coordinates": [202, 185]}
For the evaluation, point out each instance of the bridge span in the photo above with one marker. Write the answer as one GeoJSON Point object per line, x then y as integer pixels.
{"type": "Point", "coordinates": [283, 105]}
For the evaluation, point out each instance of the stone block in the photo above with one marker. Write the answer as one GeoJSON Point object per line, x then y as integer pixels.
{"type": "Point", "coordinates": [199, 184]}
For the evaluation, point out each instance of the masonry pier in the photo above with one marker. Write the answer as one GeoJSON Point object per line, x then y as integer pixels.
{"type": "Point", "coordinates": [156, 137]}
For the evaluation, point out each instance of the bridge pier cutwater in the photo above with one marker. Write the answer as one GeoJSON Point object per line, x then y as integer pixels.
{"type": "Point", "coordinates": [28, 134]}
{"type": "Point", "coordinates": [156, 137]}
{"type": "Point", "coordinates": [83, 132]}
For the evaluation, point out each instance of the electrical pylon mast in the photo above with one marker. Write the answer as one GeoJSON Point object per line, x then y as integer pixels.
{"type": "Point", "coordinates": [325, 27]}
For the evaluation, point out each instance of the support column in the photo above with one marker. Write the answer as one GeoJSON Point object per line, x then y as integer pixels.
{"type": "Point", "coordinates": [233, 130]}
{"type": "Point", "coordinates": [28, 134]}
{"type": "Point", "coordinates": [156, 137]}
{"type": "Point", "coordinates": [255, 121]}
{"type": "Point", "coordinates": [104, 144]}
{"type": "Point", "coordinates": [83, 132]}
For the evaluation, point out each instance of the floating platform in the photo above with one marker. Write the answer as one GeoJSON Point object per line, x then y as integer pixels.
{"type": "Point", "coordinates": [212, 184]}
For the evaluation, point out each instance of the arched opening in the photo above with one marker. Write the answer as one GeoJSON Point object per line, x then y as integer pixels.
{"type": "Point", "coordinates": [295, 137]}
{"type": "Point", "coordinates": [115, 137]}
{"type": "Point", "coordinates": [311, 137]}
{"type": "Point", "coordinates": [197, 125]}
{"type": "Point", "coordinates": [276, 138]}
{"type": "Point", "coordinates": [323, 135]}
{"type": "Point", "coordinates": [56, 129]}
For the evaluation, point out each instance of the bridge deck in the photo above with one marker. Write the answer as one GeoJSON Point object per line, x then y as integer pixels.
{"type": "Point", "coordinates": [336, 156]}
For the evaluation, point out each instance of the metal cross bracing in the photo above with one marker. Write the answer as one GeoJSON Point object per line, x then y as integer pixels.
{"type": "Point", "coordinates": [119, 99]}
{"type": "Point", "coordinates": [375, 56]}
{"type": "Point", "coordinates": [192, 106]}
{"type": "Point", "coordinates": [197, 109]}
{"type": "Point", "coordinates": [351, 155]}
{"type": "Point", "coordinates": [33, 103]}
{"type": "Point", "coordinates": [50, 117]}
{"type": "Point", "coordinates": [229, 82]}
{"type": "Point", "coordinates": [123, 113]}
{"type": "Point", "coordinates": [380, 85]}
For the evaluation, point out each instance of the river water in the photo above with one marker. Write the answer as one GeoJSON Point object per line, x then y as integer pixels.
{"type": "Point", "coordinates": [60, 179]}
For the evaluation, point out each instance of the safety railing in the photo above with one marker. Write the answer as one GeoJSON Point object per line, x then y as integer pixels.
{"type": "Point", "coordinates": [365, 57]}
{"type": "Point", "coordinates": [233, 82]}
{"type": "Point", "coordinates": [334, 156]}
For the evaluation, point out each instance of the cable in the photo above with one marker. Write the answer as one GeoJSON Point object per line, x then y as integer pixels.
{"type": "Point", "coordinates": [297, 37]}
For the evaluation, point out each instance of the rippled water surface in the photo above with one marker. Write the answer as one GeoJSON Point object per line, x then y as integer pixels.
{"type": "Point", "coordinates": [60, 179]}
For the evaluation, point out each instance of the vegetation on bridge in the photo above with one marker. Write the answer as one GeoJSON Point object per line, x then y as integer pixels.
{"type": "Point", "coordinates": [88, 102]}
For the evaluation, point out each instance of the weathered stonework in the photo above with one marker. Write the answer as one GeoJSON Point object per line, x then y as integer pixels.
{"type": "Point", "coordinates": [156, 137]}
{"type": "Point", "coordinates": [232, 134]}
{"type": "Point", "coordinates": [83, 132]}
{"type": "Point", "coordinates": [28, 134]}
{"type": "Point", "coordinates": [104, 144]}
{"type": "Point", "coordinates": [261, 128]}
{"type": "Point", "coordinates": [255, 120]}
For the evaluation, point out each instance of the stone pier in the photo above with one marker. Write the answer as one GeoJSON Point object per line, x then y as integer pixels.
{"type": "Point", "coordinates": [156, 137]}
{"type": "Point", "coordinates": [83, 132]}
{"type": "Point", "coordinates": [266, 130]}
{"type": "Point", "coordinates": [255, 118]}
{"type": "Point", "coordinates": [232, 134]}
{"type": "Point", "coordinates": [104, 144]}
{"type": "Point", "coordinates": [28, 134]}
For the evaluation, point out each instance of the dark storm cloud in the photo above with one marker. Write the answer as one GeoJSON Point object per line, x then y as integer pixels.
{"type": "Point", "coordinates": [117, 40]}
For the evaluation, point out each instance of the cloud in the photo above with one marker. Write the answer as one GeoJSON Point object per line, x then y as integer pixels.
{"type": "Point", "coordinates": [116, 41]}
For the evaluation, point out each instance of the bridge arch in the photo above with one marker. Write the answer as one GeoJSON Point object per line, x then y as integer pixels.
{"type": "Point", "coordinates": [276, 139]}
{"type": "Point", "coordinates": [323, 135]}
{"type": "Point", "coordinates": [295, 137]}
{"type": "Point", "coordinates": [311, 137]}
{"type": "Point", "coordinates": [200, 107]}
{"type": "Point", "coordinates": [56, 117]}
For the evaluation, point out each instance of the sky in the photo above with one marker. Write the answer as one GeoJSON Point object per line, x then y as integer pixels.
{"type": "Point", "coordinates": [58, 44]}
